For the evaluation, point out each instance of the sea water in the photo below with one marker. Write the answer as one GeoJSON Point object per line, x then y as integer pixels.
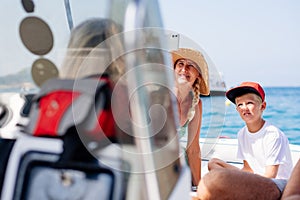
{"type": "Point", "coordinates": [220, 117]}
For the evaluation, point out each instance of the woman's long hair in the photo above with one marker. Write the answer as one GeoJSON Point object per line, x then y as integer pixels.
{"type": "Point", "coordinates": [196, 96]}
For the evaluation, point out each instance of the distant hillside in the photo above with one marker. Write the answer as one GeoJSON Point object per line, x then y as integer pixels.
{"type": "Point", "coordinates": [20, 77]}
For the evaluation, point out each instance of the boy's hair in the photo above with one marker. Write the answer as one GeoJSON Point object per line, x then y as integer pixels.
{"type": "Point", "coordinates": [257, 97]}
{"type": "Point", "coordinates": [244, 88]}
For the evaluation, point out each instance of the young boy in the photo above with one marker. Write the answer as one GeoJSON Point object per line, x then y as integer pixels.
{"type": "Point", "coordinates": [263, 148]}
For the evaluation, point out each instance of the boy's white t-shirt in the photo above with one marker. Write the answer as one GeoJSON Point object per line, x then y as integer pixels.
{"type": "Point", "coordinates": [268, 146]}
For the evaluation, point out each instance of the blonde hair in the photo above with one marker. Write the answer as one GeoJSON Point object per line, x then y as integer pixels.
{"type": "Point", "coordinates": [258, 98]}
{"type": "Point", "coordinates": [196, 96]}
{"type": "Point", "coordinates": [85, 57]}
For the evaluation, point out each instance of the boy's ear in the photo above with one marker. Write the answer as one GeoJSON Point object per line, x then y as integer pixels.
{"type": "Point", "coordinates": [263, 105]}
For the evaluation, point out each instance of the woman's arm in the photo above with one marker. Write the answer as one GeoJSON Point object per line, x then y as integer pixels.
{"type": "Point", "coordinates": [193, 146]}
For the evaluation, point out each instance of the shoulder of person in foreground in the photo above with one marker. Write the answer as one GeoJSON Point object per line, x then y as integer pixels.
{"type": "Point", "coordinates": [292, 189]}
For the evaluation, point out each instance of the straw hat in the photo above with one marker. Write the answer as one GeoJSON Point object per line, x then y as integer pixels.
{"type": "Point", "coordinates": [202, 68]}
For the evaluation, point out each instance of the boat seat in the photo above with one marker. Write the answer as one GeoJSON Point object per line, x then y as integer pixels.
{"type": "Point", "coordinates": [38, 169]}
{"type": "Point", "coordinates": [5, 149]}
{"type": "Point", "coordinates": [55, 155]}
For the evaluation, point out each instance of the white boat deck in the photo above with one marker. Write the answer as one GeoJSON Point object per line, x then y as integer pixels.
{"type": "Point", "coordinates": [226, 149]}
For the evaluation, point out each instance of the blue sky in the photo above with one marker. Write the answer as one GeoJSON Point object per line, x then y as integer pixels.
{"type": "Point", "coordinates": [248, 40]}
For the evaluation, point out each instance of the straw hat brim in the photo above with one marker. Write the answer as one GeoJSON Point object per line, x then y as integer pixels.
{"type": "Point", "coordinates": [202, 67]}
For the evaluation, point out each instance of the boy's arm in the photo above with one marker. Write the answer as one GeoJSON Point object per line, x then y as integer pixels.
{"type": "Point", "coordinates": [246, 167]}
{"type": "Point", "coordinates": [271, 171]}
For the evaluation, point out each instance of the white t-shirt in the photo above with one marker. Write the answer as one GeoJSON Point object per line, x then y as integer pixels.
{"type": "Point", "coordinates": [268, 146]}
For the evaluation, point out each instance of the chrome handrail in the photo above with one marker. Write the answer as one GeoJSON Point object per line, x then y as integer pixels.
{"type": "Point", "coordinates": [134, 17]}
{"type": "Point", "coordinates": [69, 14]}
{"type": "Point", "coordinates": [137, 23]}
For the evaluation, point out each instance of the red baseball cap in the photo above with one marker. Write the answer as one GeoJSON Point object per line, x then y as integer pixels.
{"type": "Point", "coordinates": [244, 88]}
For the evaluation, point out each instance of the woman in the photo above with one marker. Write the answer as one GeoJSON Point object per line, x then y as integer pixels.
{"type": "Point", "coordinates": [191, 76]}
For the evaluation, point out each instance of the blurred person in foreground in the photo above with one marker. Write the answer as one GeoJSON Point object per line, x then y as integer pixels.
{"type": "Point", "coordinates": [234, 184]}
{"type": "Point", "coordinates": [95, 50]}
